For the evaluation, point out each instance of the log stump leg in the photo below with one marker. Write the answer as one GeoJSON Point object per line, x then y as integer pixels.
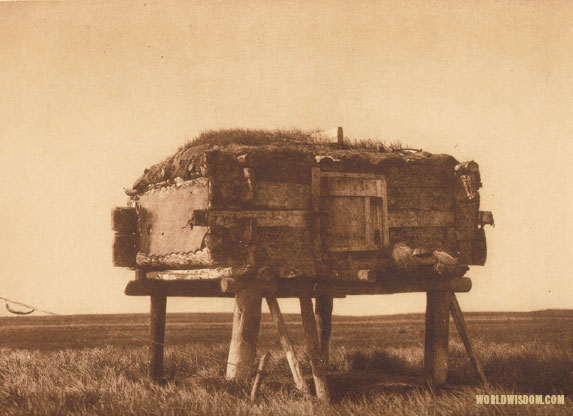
{"type": "Point", "coordinates": [246, 322]}
{"type": "Point", "coordinates": [323, 315]}
{"type": "Point", "coordinates": [436, 337]}
{"type": "Point", "coordinates": [157, 335]}
{"type": "Point", "coordinates": [313, 350]}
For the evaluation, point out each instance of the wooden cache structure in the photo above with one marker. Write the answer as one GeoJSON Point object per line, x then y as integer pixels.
{"type": "Point", "coordinates": [295, 218]}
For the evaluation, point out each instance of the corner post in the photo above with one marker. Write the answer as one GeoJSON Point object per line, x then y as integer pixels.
{"type": "Point", "coordinates": [157, 335]}
{"type": "Point", "coordinates": [246, 322]}
{"type": "Point", "coordinates": [323, 316]}
{"type": "Point", "coordinates": [436, 337]}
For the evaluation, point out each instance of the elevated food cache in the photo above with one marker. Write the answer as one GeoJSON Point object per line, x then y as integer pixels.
{"type": "Point", "coordinates": [302, 206]}
{"type": "Point", "coordinates": [253, 214]}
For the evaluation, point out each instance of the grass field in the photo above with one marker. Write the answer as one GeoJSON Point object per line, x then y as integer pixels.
{"type": "Point", "coordinates": [57, 366]}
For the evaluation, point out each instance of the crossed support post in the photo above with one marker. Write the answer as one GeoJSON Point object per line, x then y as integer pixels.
{"type": "Point", "coordinates": [439, 306]}
{"type": "Point", "coordinates": [242, 350]}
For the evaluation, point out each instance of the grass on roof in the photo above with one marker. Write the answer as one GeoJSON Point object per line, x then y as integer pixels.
{"type": "Point", "coordinates": [257, 137]}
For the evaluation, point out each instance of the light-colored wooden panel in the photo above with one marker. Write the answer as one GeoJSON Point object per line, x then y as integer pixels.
{"type": "Point", "coordinates": [164, 216]}
{"type": "Point", "coordinates": [415, 218]}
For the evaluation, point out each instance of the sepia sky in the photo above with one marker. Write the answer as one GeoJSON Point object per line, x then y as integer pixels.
{"type": "Point", "coordinates": [91, 93]}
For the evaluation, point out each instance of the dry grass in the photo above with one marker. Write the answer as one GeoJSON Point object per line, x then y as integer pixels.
{"type": "Point", "coordinates": [365, 380]}
{"type": "Point", "coordinates": [293, 137]}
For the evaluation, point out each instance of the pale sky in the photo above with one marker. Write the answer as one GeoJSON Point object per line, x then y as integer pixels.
{"type": "Point", "coordinates": [94, 92]}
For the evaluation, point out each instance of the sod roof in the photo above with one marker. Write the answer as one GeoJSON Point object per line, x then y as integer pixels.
{"type": "Point", "coordinates": [186, 162]}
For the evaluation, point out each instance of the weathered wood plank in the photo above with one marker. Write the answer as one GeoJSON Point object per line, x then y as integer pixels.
{"type": "Point", "coordinates": [383, 217]}
{"type": "Point", "coordinates": [286, 344]}
{"type": "Point", "coordinates": [356, 175]}
{"type": "Point", "coordinates": [281, 195]}
{"type": "Point", "coordinates": [157, 335]}
{"type": "Point", "coordinates": [418, 176]}
{"type": "Point", "coordinates": [416, 197]}
{"type": "Point", "coordinates": [316, 230]}
{"type": "Point", "coordinates": [124, 220]}
{"type": "Point", "coordinates": [420, 218]}
{"type": "Point", "coordinates": [401, 284]}
{"type": "Point", "coordinates": [268, 218]}
{"type": "Point", "coordinates": [124, 250]}
{"type": "Point", "coordinates": [183, 288]}
{"type": "Point", "coordinates": [340, 184]}
{"type": "Point", "coordinates": [313, 349]}
{"type": "Point", "coordinates": [345, 224]}
{"type": "Point", "coordinates": [479, 248]}
{"type": "Point", "coordinates": [246, 322]}
{"type": "Point", "coordinates": [294, 288]}
{"type": "Point", "coordinates": [286, 249]}
{"type": "Point", "coordinates": [436, 337]}
{"type": "Point", "coordinates": [467, 217]}
{"type": "Point", "coordinates": [371, 224]}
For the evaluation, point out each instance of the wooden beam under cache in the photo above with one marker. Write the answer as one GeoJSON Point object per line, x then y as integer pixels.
{"type": "Point", "coordinates": [294, 288]}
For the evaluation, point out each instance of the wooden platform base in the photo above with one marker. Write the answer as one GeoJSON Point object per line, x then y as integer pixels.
{"type": "Point", "coordinates": [295, 288]}
{"type": "Point", "coordinates": [441, 301]}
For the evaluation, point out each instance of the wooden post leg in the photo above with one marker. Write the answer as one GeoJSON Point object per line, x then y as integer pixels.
{"type": "Point", "coordinates": [436, 339]}
{"type": "Point", "coordinates": [157, 335]}
{"type": "Point", "coordinates": [313, 350]}
{"type": "Point", "coordinates": [246, 322]}
{"type": "Point", "coordinates": [463, 331]}
{"type": "Point", "coordinates": [287, 344]}
{"type": "Point", "coordinates": [323, 315]}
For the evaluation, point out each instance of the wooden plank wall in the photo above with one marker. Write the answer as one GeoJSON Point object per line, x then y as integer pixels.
{"type": "Point", "coordinates": [420, 208]}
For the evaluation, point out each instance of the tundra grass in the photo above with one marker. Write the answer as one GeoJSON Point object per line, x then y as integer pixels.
{"type": "Point", "coordinates": [375, 369]}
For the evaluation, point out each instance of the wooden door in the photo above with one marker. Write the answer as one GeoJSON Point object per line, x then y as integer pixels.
{"type": "Point", "coordinates": [354, 211]}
